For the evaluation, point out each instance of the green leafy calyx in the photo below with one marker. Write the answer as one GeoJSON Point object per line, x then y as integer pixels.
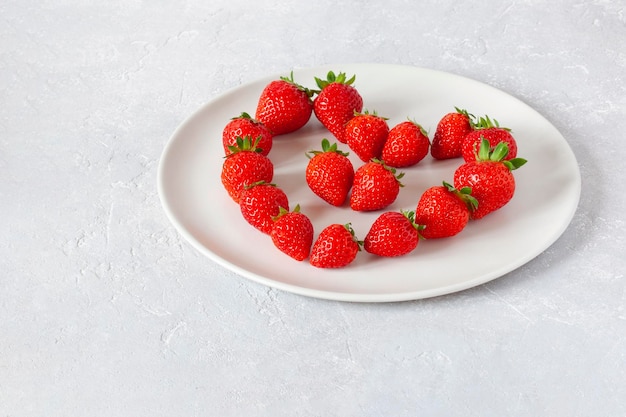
{"type": "Point", "coordinates": [258, 183]}
{"type": "Point", "coordinates": [305, 90]}
{"type": "Point", "coordinates": [486, 122]}
{"type": "Point", "coordinates": [410, 216]}
{"type": "Point", "coordinates": [390, 169]}
{"type": "Point", "coordinates": [368, 113]}
{"type": "Point", "coordinates": [327, 147]}
{"type": "Point", "coordinates": [472, 119]}
{"type": "Point", "coordinates": [331, 78]}
{"type": "Point", "coordinates": [245, 144]}
{"type": "Point", "coordinates": [283, 211]}
{"type": "Point", "coordinates": [464, 194]}
{"type": "Point", "coordinates": [348, 227]}
{"type": "Point", "coordinates": [243, 115]}
{"type": "Point", "coordinates": [419, 126]}
{"type": "Point", "coordinates": [497, 154]}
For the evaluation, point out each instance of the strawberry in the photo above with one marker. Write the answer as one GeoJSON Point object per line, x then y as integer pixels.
{"type": "Point", "coordinates": [245, 165]}
{"type": "Point", "coordinates": [329, 174]}
{"type": "Point", "coordinates": [260, 202]}
{"type": "Point", "coordinates": [242, 126]}
{"type": "Point", "coordinates": [335, 247]}
{"type": "Point", "coordinates": [444, 211]}
{"type": "Point", "coordinates": [493, 132]}
{"type": "Point", "coordinates": [336, 102]}
{"type": "Point", "coordinates": [450, 133]}
{"type": "Point", "coordinates": [366, 134]}
{"type": "Point", "coordinates": [375, 186]}
{"type": "Point", "coordinates": [407, 144]}
{"type": "Point", "coordinates": [292, 233]}
{"type": "Point", "coordinates": [393, 233]}
{"type": "Point", "coordinates": [284, 106]}
{"type": "Point", "coordinates": [489, 177]}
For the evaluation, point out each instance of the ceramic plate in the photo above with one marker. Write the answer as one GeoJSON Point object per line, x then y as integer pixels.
{"type": "Point", "coordinates": [547, 194]}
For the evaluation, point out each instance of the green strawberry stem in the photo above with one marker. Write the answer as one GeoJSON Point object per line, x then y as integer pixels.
{"type": "Point", "coordinates": [465, 194]}
{"type": "Point", "coordinates": [368, 113]}
{"type": "Point", "coordinates": [262, 182]}
{"type": "Point", "coordinates": [419, 126]}
{"type": "Point", "coordinates": [471, 117]}
{"type": "Point", "coordinates": [340, 78]}
{"type": "Point", "coordinates": [282, 211]}
{"type": "Point", "coordinates": [486, 123]}
{"type": "Point", "coordinates": [390, 169]}
{"type": "Point", "coordinates": [487, 153]}
{"type": "Point", "coordinates": [245, 144]}
{"type": "Point", "coordinates": [497, 154]}
{"type": "Point", "coordinates": [410, 216]}
{"type": "Point", "coordinates": [349, 228]}
{"type": "Point", "coordinates": [327, 147]}
{"type": "Point", "coordinates": [243, 115]}
{"type": "Point", "coordinates": [290, 80]}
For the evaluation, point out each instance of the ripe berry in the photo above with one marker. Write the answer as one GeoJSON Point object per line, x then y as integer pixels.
{"type": "Point", "coordinates": [284, 106]}
{"type": "Point", "coordinates": [393, 233]}
{"type": "Point", "coordinates": [444, 211]}
{"type": "Point", "coordinates": [489, 177]}
{"type": "Point", "coordinates": [375, 187]}
{"type": "Point", "coordinates": [335, 247]}
{"type": "Point", "coordinates": [245, 126]}
{"type": "Point", "coordinates": [407, 144]}
{"type": "Point", "coordinates": [244, 166]}
{"type": "Point", "coordinates": [329, 174]}
{"type": "Point", "coordinates": [336, 102]}
{"type": "Point", "coordinates": [260, 203]}
{"type": "Point", "coordinates": [366, 134]}
{"type": "Point", "coordinates": [491, 130]}
{"type": "Point", "coordinates": [292, 233]}
{"type": "Point", "coordinates": [450, 133]}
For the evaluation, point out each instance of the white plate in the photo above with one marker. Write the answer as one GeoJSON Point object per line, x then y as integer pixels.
{"type": "Point", "coordinates": [548, 190]}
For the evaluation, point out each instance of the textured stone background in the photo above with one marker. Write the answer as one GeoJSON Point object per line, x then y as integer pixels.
{"type": "Point", "coordinates": [106, 311]}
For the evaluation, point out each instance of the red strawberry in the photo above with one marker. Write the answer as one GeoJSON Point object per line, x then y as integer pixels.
{"type": "Point", "coordinates": [444, 211]}
{"type": "Point", "coordinates": [292, 233]}
{"type": "Point", "coordinates": [260, 203]}
{"type": "Point", "coordinates": [242, 126]}
{"type": "Point", "coordinates": [335, 247]}
{"type": "Point", "coordinates": [284, 106]}
{"type": "Point", "coordinates": [245, 165]}
{"type": "Point", "coordinates": [366, 134]}
{"type": "Point", "coordinates": [406, 145]}
{"type": "Point", "coordinates": [489, 177]}
{"type": "Point", "coordinates": [449, 135]}
{"type": "Point", "coordinates": [490, 130]}
{"type": "Point", "coordinates": [375, 187]}
{"type": "Point", "coordinates": [330, 173]}
{"type": "Point", "coordinates": [393, 233]}
{"type": "Point", "coordinates": [336, 102]}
